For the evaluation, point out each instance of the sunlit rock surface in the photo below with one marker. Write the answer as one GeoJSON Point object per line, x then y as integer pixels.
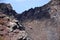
{"type": "Point", "coordinates": [10, 29]}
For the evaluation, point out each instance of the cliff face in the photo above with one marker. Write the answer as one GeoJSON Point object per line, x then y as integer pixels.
{"type": "Point", "coordinates": [41, 23]}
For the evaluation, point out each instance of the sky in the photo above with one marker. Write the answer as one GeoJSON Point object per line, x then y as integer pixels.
{"type": "Point", "coordinates": [21, 5]}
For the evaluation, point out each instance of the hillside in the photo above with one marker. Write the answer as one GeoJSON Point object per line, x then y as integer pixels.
{"type": "Point", "coordinates": [41, 23]}
{"type": "Point", "coordinates": [10, 28]}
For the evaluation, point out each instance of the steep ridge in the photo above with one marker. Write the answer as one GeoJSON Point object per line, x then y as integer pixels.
{"type": "Point", "coordinates": [39, 12]}
{"type": "Point", "coordinates": [35, 14]}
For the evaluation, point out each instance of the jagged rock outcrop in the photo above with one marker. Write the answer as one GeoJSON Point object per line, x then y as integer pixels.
{"type": "Point", "coordinates": [7, 9]}
{"type": "Point", "coordinates": [11, 29]}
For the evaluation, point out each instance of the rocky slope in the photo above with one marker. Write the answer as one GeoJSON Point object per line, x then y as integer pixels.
{"type": "Point", "coordinates": [11, 29]}
{"type": "Point", "coordinates": [41, 23]}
